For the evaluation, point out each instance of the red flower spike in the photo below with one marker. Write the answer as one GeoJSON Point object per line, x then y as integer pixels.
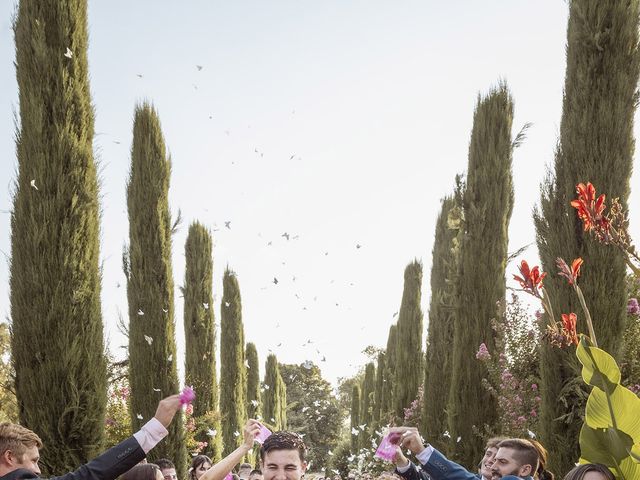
{"type": "Point", "coordinates": [575, 267]}
{"type": "Point", "coordinates": [590, 209]}
{"type": "Point", "coordinates": [569, 323]}
{"type": "Point", "coordinates": [572, 273]}
{"type": "Point", "coordinates": [531, 279]}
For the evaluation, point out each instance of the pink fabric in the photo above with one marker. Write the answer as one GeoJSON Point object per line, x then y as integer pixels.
{"type": "Point", "coordinates": [229, 476]}
{"type": "Point", "coordinates": [263, 434]}
{"type": "Point", "coordinates": [387, 448]}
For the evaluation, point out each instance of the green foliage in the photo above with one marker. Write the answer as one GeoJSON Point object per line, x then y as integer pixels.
{"type": "Point", "coordinates": [408, 356]}
{"type": "Point", "coordinates": [233, 375]}
{"type": "Point", "coordinates": [610, 434]}
{"type": "Point", "coordinates": [8, 404]}
{"type": "Point", "coordinates": [274, 405]}
{"type": "Point", "coordinates": [57, 342]}
{"type": "Point", "coordinates": [197, 428]}
{"type": "Point", "coordinates": [441, 318]}
{"type": "Point", "coordinates": [254, 409]}
{"type": "Point", "coordinates": [313, 411]}
{"type": "Point", "coordinates": [200, 333]}
{"type": "Point", "coordinates": [596, 144]}
{"type": "Point", "coordinates": [630, 357]}
{"type": "Point", "coordinates": [355, 418]}
{"type": "Point", "coordinates": [514, 369]}
{"type": "Point", "coordinates": [147, 265]}
{"type": "Point", "coordinates": [117, 421]}
{"type": "Point", "coordinates": [379, 389]}
{"type": "Point", "coordinates": [487, 203]}
{"type": "Point", "coordinates": [340, 464]}
{"type": "Point", "coordinates": [368, 392]}
{"type": "Point", "coordinates": [386, 406]}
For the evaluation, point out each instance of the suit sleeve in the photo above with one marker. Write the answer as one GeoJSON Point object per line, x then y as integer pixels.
{"type": "Point", "coordinates": [111, 464]}
{"type": "Point", "coordinates": [413, 473]}
{"type": "Point", "coordinates": [440, 467]}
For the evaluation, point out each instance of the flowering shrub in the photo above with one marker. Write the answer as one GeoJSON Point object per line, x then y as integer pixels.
{"type": "Point", "coordinates": [513, 370]}
{"type": "Point", "coordinates": [117, 419]}
{"type": "Point", "coordinates": [412, 414]}
{"type": "Point", "coordinates": [199, 434]}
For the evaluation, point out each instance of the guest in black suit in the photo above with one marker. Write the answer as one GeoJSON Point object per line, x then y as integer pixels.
{"type": "Point", "coordinates": [19, 449]}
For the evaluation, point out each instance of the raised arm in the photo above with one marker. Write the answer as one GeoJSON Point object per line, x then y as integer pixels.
{"type": "Point", "coordinates": [124, 456]}
{"type": "Point", "coordinates": [224, 466]}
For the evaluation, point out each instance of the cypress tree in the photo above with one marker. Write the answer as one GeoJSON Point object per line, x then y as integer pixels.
{"type": "Point", "coordinates": [57, 341]}
{"type": "Point", "coordinates": [272, 400]}
{"type": "Point", "coordinates": [233, 374]}
{"type": "Point", "coordinates": [253, 382]}
{"type": "Point", "coordinates": [379, 390]}
{"type": "Point", "coordinates": [355, 418]}
{"type": "Point", "coordinates": [148, 270]}
{"type": "Point", "coordinates": [386, 406]}
{"type": "Point", "coordinates": [487, 206]}
{"type": "Point", "coordinates": [596, 145]}
{"type": "Point", "coordinates": [408, 360]}
{"type": "Point", "coordinates": [368, 391]}
{"type": "Point", "coordinates": [199, 330]}
{"type": "Point", "coordinates": [282, 395]}
{"type": "Point", "coordinates": [441, 319]}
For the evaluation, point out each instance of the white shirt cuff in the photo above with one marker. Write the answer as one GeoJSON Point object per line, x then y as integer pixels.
{"type": "Point", "coordinates": [150, 434]}
{"type": "Point", "coordinates": [405, 468]}
{"type": "Point", "coordinates": [424, 456]}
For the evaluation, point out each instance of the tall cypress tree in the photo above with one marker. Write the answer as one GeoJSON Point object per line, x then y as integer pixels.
{"type": "Point", "coordinates": [386, 406]}
{"type": "Point", "coordinates": [368, 392]}
{"type": "Point", "coordinates": [199, 329]}
{"type": "Point", "coordinates": [282, 395]}
{"type": "Point", "coordinates": [254, 409]}
{"type": "Point", "coordinates": [408, 360]}
{"type": "Point", "coordinates": [379, 390]}
{"type": "Point", "coordinates": [57, 341]}
{"type": "Point", "coordinates": [147, 265]}
{"type": "Point", "coordinates": [272, 401]}
{"type": "Point", "coordinates": [355, 418]}
{"type": "Point", "coordinates": [441, 318]}
{"type": "Point", "coordinates": [233, 373]}
{"type": "Point", "coordinates": [487, 206]}
{"type": "Point", "coordinates": [596, 144]}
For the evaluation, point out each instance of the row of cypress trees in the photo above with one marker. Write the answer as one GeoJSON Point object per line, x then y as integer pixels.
{"type": "Point", "coordinates": [469, 255]}
{"type": "Point", "coordinates": [467, 279]}
{"type": "Point", "coordinates": [380, 399]}
{"type": "Point", "coordinates": [57, 342]}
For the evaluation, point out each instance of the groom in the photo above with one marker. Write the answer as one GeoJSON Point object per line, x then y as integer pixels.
{"type": "Point", "coordinates": [19, 449]}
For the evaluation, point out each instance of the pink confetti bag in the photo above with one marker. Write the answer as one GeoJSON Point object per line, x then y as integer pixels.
{"type": "Point", "coordinates": [387, 448]}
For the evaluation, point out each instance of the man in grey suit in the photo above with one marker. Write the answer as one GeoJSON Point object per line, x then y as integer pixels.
{"type": "Point", "coordinates": [19, 449]}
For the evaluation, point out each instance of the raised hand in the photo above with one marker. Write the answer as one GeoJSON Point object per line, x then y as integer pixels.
{"type": "Point", "coordinates": [167, 409]}
{"type": "Point", "coordinates": [250, 432]}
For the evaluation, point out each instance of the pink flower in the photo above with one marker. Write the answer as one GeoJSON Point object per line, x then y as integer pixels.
{"type": "Point", "coordinates": [483, 353]}
{"type": "Point", "coordinates": [633, 308]}
{"type": "Point", "coordinates": [534, 386]}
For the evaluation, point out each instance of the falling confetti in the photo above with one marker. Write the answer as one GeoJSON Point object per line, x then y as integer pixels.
{"type": "Point", "coordinates": [33, 184]}
{"type": "Point", "coordinates": [68, 53]}
{"type": "Point", "coordinates": [148, 339]}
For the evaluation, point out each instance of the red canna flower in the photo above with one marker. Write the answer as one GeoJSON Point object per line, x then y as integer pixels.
{"type": "Point", "coordinates": [572, 273]}
{"type": "Point", "coordinates": [589, 207]}
{"type": "Point", "coordinates": [569, 327]}
{"type": "Point", "coordinates": [531, 279]}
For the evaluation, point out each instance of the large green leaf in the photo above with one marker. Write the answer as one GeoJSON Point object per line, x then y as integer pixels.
{"type": "Point", "coordinates": [599, 369]}
{"type": "Point", "coordinates": [611, 431]}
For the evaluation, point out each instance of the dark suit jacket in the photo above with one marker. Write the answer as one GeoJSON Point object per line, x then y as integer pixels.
{"type": "Point", "coordinates": [108, 466]}
{"type": "Point", "coordinates": [438, 467]}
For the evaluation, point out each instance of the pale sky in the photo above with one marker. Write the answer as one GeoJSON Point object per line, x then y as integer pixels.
{"type": "Point", "coordinates": [341, 122]}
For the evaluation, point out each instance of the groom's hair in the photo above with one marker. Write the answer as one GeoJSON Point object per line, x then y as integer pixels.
{"type": "Point", "coordinates": [283, 441]}
{"type": "Point", "coordinates": [524, 452]}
